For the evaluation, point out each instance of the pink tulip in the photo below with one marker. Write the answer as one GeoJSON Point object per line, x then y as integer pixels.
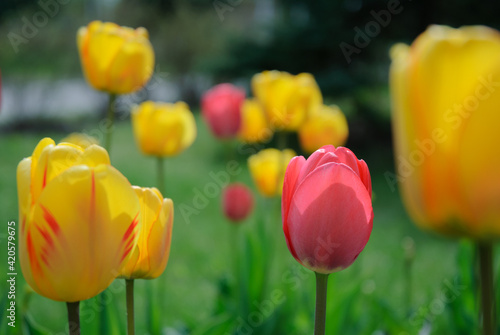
{"type": "Point", "coordinates": [326, 209]}
{"type": "Point", "coordinates": [237, 202]}
{"type": "Point", "coordinates": [221, 107]}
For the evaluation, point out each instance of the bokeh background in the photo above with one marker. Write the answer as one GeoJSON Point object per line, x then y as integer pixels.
{"type": "Point", "coordinates": [405, 282]}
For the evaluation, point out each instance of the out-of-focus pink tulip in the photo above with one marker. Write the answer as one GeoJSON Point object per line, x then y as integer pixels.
{"type": "Point", "coordinates": [221, 108]}
{"type": "Point", "coordinates": [237, 202]}
{"type": "Point", "coordinates": [327, 209]}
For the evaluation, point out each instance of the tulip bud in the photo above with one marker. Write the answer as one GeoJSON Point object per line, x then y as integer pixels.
{"type": "Point", "coordinates": [221, 109]}
{"type": "Point", "coordinates": [326, 209]}
{"type": "Point", "coordinates": [115, 59]}
{"type": "Point", "coordinates": [163, 129]}
{"type": "Point", "coordinates": [237, 202]}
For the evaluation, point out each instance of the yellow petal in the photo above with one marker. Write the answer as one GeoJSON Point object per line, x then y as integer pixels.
{"type": "Point", "coordinates": [267, 169]}
{"type": "Point", "coordinates": [254, 127]}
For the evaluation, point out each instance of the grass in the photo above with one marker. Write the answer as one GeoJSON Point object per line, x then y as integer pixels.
{"type": "Point", "coordinates": [198, 292]}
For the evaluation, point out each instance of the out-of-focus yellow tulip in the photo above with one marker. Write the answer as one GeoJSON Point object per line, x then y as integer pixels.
{"type": "Point", "coordinates": [287, 99]}
{"type": "Point", "coordinates": [267, 169]}
{"type": "Point", "coordinates": [150, 258]}
{"type": "Point", "coordinates": [254, 127]}
{"type": "Point", "coordinates": [163, 129]}
{"type": "Point", "coordinates": [81, 140]}
{"type": "Point", "coordinates": [325, 125]}
{"type": "Point", "coordinates": [79, 220]}
{"type": "Point", "coordinates": [115, 59]}
{"type": "Point", "coordinates": [445, 99]}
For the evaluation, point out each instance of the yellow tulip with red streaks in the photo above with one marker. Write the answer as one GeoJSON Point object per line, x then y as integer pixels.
{"type": "Point", "coordinates": [79, 220]}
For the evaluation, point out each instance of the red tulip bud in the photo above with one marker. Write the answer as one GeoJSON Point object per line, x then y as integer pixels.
{"type": "Point", "coordinates": [327, 209]}
{"type": "Point", "coordinates": [237, 202]}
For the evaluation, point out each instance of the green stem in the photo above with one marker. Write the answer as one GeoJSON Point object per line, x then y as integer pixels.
{"type": "Point", "coordinates": [73, 317]}
{"type": "Point", "coordinates": [110, 118]}
{"type": "Point", "coordinates": [161, 175]}
{"type": "Point", "coordinates": [281, 140]}
{"type": "Point", "coordinates": [129, 287]}
{"type": "Point", "coordinates": [486, 286]}
{"type": "Point", "coordinates": [320, 316]}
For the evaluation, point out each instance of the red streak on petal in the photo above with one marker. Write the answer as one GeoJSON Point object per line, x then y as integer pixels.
{"type": "Point", "coordinates": [44, 182]}
{"type": "Point", "coordinates": [46, 236]}
{"type": "Point", "coordinates": [49, 218]}
{"type": "Point", "coordinates": [126, 253]}
{"type": "Point", "coordinates": [44, 259]}
{"type": "Point", "coordinates": [130, 228]}
{"type": "Point", "coordinates": [35, 267]}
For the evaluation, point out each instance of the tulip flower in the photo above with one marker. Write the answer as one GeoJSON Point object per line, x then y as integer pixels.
{"type": "Point", "coordinates": [267, 169]}
{"type": "Point", "coordinates": [79, 221]}
{"type": "Point", "coordinates": [445, 100]}
{"type": "Point", "coordinates": [115, 59]}
{"type": "Point", "coordinates": [163, 129]}
{"type": "Point", "coordinates": [287, 99]}
{"type": "Point", "coordinates": [327, 214]}
{"type": "Point", "coordinates": [221, 109]}
{"type": "Point", "coordinates": [254, 126]}
{"type": "Point", "coordinates": [325, 125]}
{"type": "Point", "coordinates": [150, 258]}
{"type": "Point", "coordinates": [237, 202]}
{"type": "Point", "coordinates": [81, 140]}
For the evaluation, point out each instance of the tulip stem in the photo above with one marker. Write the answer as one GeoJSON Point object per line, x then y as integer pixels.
{"type": "Point", "coordinates": [73, 317]}
{"type": "Point", "coordinates": [486, 287]}
{"type": "Point", "coordinates": [161, 175]}
{"type": "Point", "coordinates": [320, 316]}
{"type": "Point", "coordinates": [129, 288]}
{"type": "Point", "coordinates": [110, 119]}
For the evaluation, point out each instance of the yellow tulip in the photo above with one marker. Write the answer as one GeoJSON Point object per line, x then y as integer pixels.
{"type": "Point", "coordinates": [150, 258]}
{"type": "Point", "coordinates": [286, 98]}
{"type": "Point", "coordinates": [254, 127]}
{"type": "Point", "coordinates": [163, 129]}
{"type": "Point", "coordinates": [81, 140]}
{"type": "Point", "coordinates": [115, 59]}
{"type": "Point", "coordinates": [325, 125]}
{"type": "Point", "coordinates": [267, 169]}
{"type": "Point", "coordinates": [445, 100]}
{"type": "Point", "coordinates": [79, 220]}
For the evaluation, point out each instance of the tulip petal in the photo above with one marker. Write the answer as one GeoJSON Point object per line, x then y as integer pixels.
{"type": "Point", "coordinates": [160, 239]}
{"type": "Point", "coordinates": [330, 218]}
{"type": "Point", "coordinates": [82, 229]}
{"type": "Point", "coordinates": [446, 69]}
{"type": "Point", "coordinates": [290, 184]}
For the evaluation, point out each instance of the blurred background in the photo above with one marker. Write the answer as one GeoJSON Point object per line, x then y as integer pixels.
{"type": "Point", "coordinates": [400, 284]}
